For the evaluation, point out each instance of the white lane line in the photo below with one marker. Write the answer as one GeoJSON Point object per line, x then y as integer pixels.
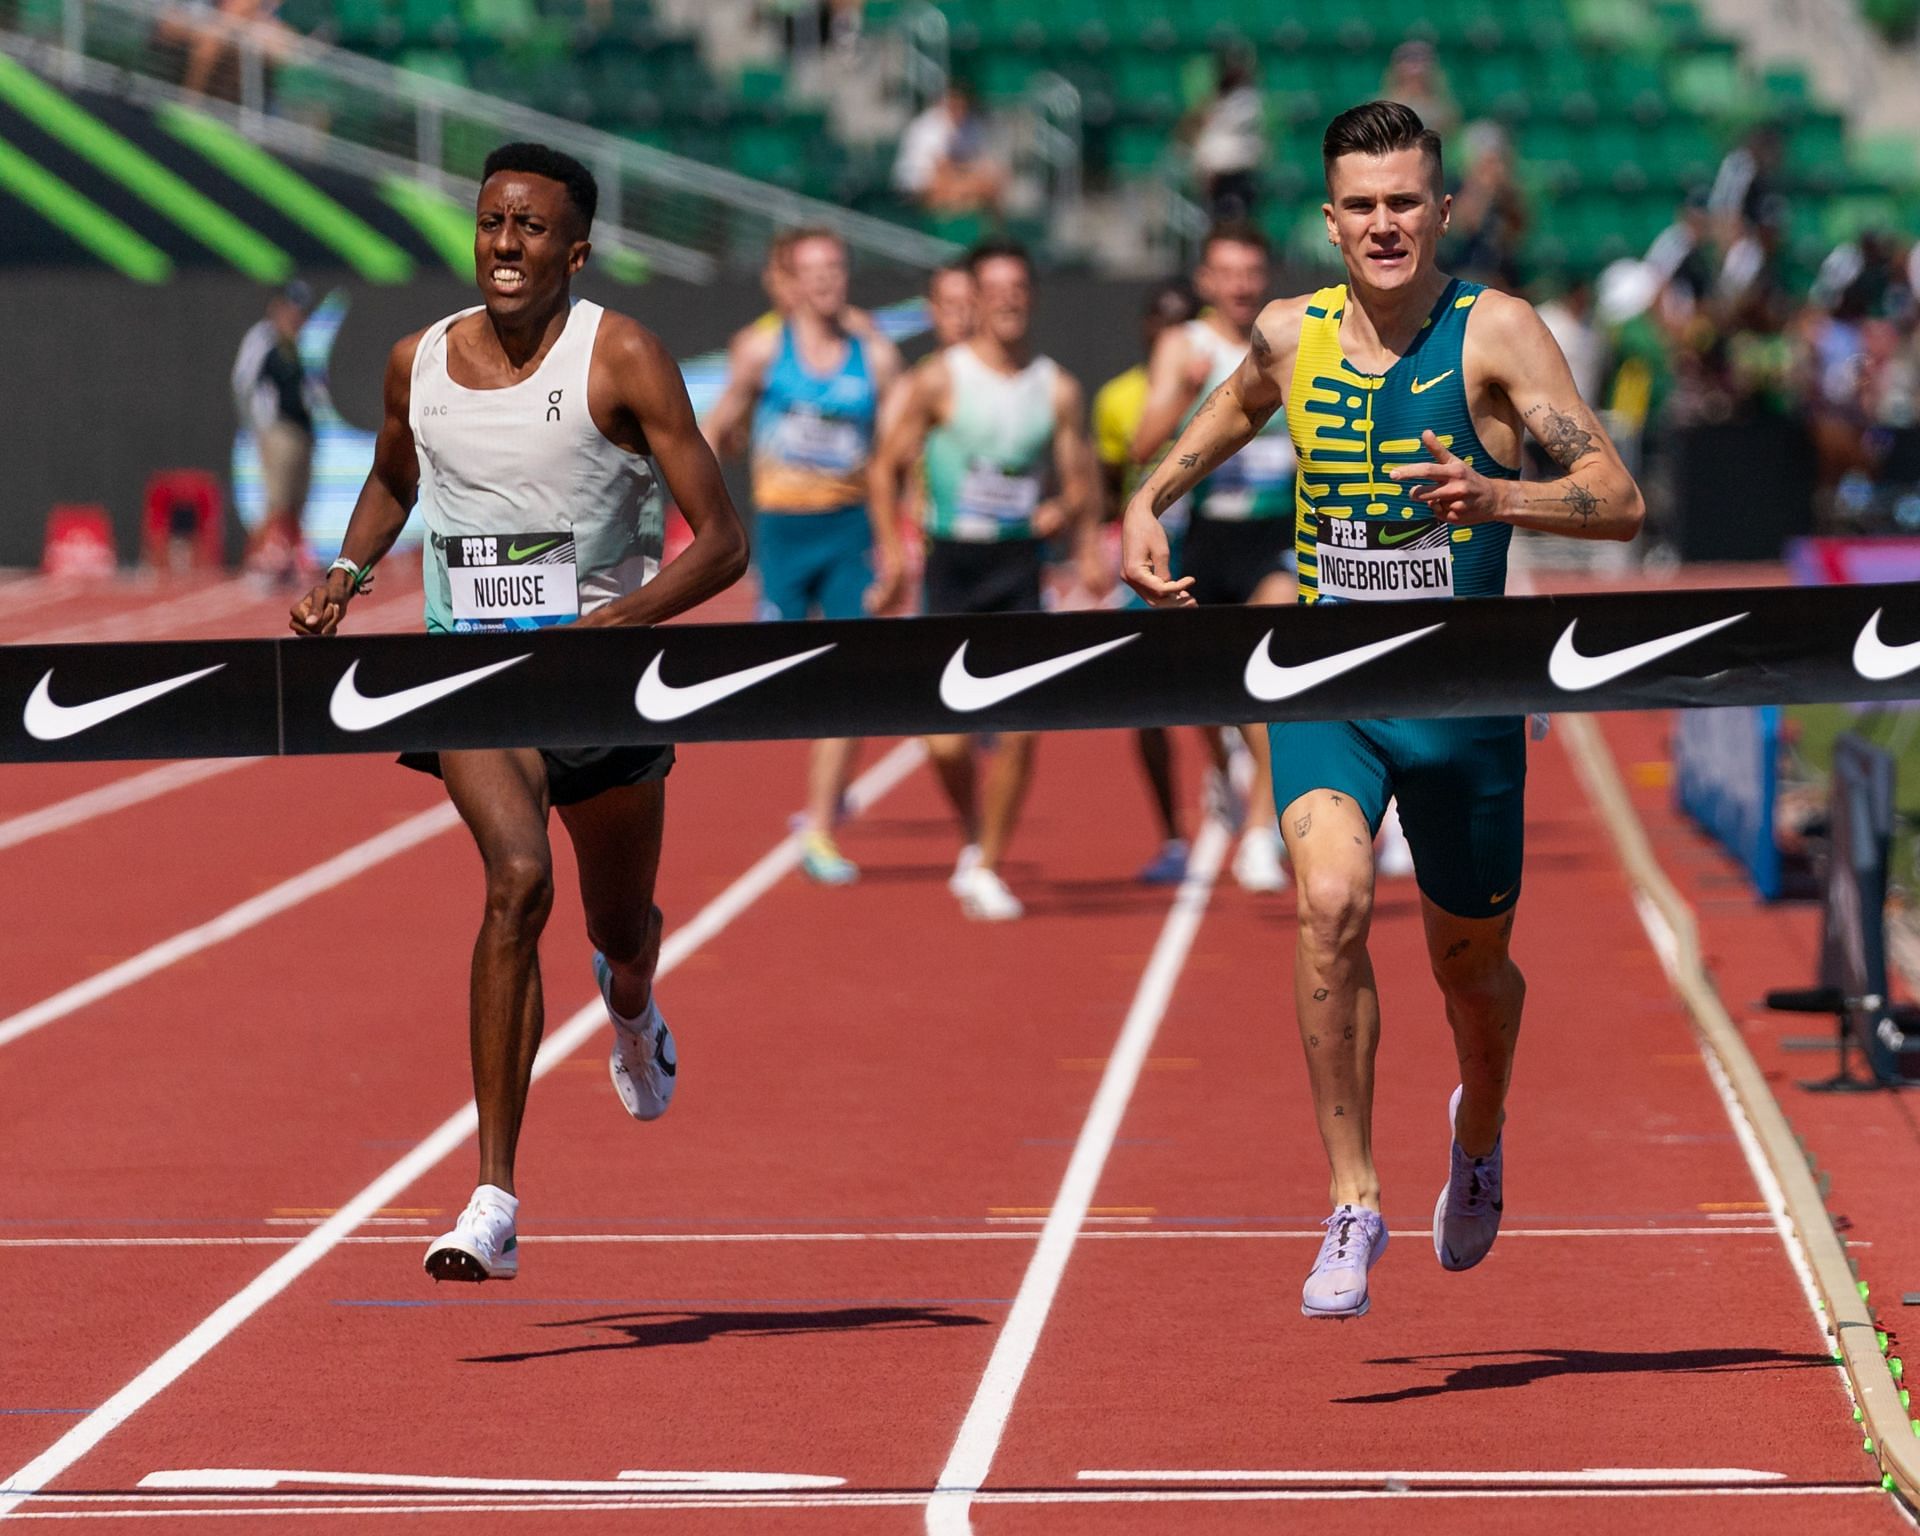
{"type": "Point", "coordinates": [781, 860]}
{"type": "Point", "coordinates": [179, 1506]}
{"type": "Point", "coordinates": [204, 1478]}
{"type": "Point", "coordinates": [1585, 1477]}
{"type": "Point", "coordinates": [134, 789]}
{"type": "Point", "coordinates": [1191, 1234]}
{"type": "Point", "coordinates": [337, 870]}
{"type": "Point", "coordinates": [986, 1420]}
{"type": "Point", "coordinates": [201, 605]}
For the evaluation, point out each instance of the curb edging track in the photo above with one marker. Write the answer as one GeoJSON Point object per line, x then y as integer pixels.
{"type": "Point", "coordinates": [1890, 1439]}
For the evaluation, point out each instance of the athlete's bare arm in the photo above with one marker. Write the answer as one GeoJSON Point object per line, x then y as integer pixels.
{"type": "Point", "coordinates": [1225, 423]}
{"type": "Point", "coordinates": [913, 410]}
{"type": "Point", "coordinates": [385, 500]}
{"type": "Point", "coordinates": [749, 355]}
{"type": "Point", "coordinates": [1510, 349]}
{"type": "Point", "coordinates": [639, 400]}
{"type": "Point", "coordinates": [1073, 505]}
{"type": "Point", "coordinates": [1176, 373]}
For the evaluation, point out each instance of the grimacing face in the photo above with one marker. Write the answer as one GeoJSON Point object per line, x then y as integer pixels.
{"type": "Point", "coordinates": [818, 268]}
{"type": "Point", "coordinates": [1386, 216]}
{"type": "Point", "coordinates": [526, 243]}
{"type": "Point", "coordinates": [1233, 279]}
{"type": "Point", "coordinates": [1005, 298]}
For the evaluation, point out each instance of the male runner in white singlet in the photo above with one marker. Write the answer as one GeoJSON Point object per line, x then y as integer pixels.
{"type": "Point", "coordinates": [527, 430]}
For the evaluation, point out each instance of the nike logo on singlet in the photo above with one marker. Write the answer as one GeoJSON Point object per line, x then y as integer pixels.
{"type": "Point", "coordinates": [1573, 672]}
{"type": "Point", "coordinates": [659, 700]}
{"type": "Point", "coordinates": [1418, 387]}
{"type": "Point", "coordinates": [353, 710]}
{"type": "Point", "coordinates": [515, 552]}
{"type": "Point", "coordinates": [963, 693]}
{"type": "Point", "coordinates": [48, 721]}
{"type": "Point", "coordinates": [1877, 661]}
{"type": "Point", "coordinates": [1269, 681]}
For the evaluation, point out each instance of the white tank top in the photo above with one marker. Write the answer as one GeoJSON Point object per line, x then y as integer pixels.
{"type": "Point", "coordinates": [533, 516]}
{"type": "Point", "coordinates": [1257, 482]}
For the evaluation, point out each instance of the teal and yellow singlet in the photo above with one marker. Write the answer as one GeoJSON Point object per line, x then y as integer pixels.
{"type": "Point", "coordinates": [1360, 536]}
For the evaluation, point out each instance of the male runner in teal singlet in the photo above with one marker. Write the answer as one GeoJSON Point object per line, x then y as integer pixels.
{"type": "Point", "coordinates": [527, 429]}
{"type": "Point", "coordinates": [1407, 394]}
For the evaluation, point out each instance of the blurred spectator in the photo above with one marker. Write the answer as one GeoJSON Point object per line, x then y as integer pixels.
{"type": "Point", "coordinates": [1415, 78]}
{"type": "Point", "coordinates": [951, 305]}
{"type": "Point", "coordinates": [1489, 211]}
{"type": "Point", "coordinates": [270, 392]}
{"type": "Point", "coordinates": [1746, 184]}
{"type": "Point", "coordinates": [944, 162]}
{"type": "Point", "coordinates": [1568, 314]}
{"type": "Point", "coordinates": [1750, 274]}
{"type": "Point", "coordinates": [1230, 140]}
{"type": "Point", "coordinates": [1682, 256]}
{"type": "Point", "coordinates": [209, 59]}
{"type": "Point", "coordinates": [808, 25]}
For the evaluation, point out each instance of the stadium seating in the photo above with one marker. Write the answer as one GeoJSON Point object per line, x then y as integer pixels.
{"type": "Point", "coordinates": [1616, 106]}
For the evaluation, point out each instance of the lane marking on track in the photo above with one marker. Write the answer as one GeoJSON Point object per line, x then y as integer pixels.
{"type": "Point", "coordinates": [627, 1482]}
{"type": "Point", "coordinates": [250, 913]}
{"type": "Point", "coordinates": [451, 1134]}
{"type": "Point", "coordinates": [1596, 1477]}
{"type": "Point", "coordinates": [136, 788]}
{"type": "Point", "coordinates": [986, 1421]}
{"type": "Point", "coordinates": [184, 1506]}
{"type": "Point", "coordinates": [1185, 1234]}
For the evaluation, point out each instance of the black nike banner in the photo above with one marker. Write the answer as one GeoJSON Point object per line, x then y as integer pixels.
{"type": "Point", "coordinates": [736, 682]}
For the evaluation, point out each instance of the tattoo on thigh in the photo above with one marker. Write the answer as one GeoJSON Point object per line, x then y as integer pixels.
{"type": "Point", "coordinates": [1319, 994]}
{"type": "Point", "coordinates": [1347, 1033]}
{"type": "Point", "coordinates": [1304, 825]}
{"type": "Point", "coordinates": [1359, 842]}
{"type": "Point", "coordinates": [1314, 1041]}
{"type": "Point", "coordinates": [1338, 801]}
{"type": "Point", "coordinates": [1339, 1110]}
{"type": "Point", "coordinates": [1457, 948]}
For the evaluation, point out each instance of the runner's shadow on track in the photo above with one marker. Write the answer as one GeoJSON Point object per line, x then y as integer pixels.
{"type": "Point", "coordinates": [1522, 1368]}
{"type": "Point", "coordinates": [657, 1330]}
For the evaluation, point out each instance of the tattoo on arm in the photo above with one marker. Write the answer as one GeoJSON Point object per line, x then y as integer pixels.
{"type": "Point", "coordinates": [1581, 504]}
{"type": "Point", "coordinates": [1189, 460]}
{"type": "Point", "coordinates": [1456, 949]}
{"type": "Point", "coordinates": [1258, 418]}
{"type": "Point", "coordinates": [1564, 439]}
{"type": "Point", "coordinates": [1262, 348]}
{"type": "Point", "coordinates": [1320, 994]}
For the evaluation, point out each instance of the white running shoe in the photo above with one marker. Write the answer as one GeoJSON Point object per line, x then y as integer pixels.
{"type": "Point", "coordinates": [482, 1245]}
{"type": "Point", "coordinates": [1393, 857]}
{"type": "Point", "coordinates": [984, 896]}
{"type": "Point", "coordinates": [643, 1063]}
{"type": "Point", "coordinates": [1257, 865]}
{"type": "Point", "coordinates": [964, 866]}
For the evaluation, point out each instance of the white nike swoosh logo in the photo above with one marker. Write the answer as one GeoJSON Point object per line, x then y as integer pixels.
{"type": "Point", "coordinates": [352, 710]}
{"type": "Point", "coordinates": [963, 693]}
{"type": "Point", "coordinates": [1877, 661]}
{"type": "Point", "coordinates": [658, 699]}
{"type": "Point", "coordinates": [1270, 682]}
{"type": "Point", "coordinates": [48, 721]}
{"type": "Point", "coordinates": [1573, 672]}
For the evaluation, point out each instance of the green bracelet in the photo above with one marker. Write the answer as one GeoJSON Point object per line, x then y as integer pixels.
{"type": "Point", "coordinates": [362, 579]}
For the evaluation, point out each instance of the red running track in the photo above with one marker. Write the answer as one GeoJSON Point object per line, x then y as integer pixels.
{"type": "Point", "coordinates": [802, 1272]}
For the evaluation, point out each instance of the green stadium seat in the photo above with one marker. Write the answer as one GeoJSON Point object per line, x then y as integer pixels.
{"type": "Point", "coordinates": [1816, 152]}
{"type": "Point", "coordinates": [1147, 85]}
{"type": "Point", "coordinates": [1708, 83]}
{"type": "Point", "coordinates": [504, 21]}
{"type": "Point", "coordinates": [1636, 85]}
{"type": "Point", "coordinates": [1683, 152]}
{"type": "Point", "coordinates": [367, 26]}
{"type": "Point", "coordinates": [761, 83]}
{"type": "Point", "coordinates": [429, 23]}
{"type": "Point", "coordinates": [1002, 78]}
{"type": "Point", "coordinates": [1137, 150]}
{"type": "Point", "coordinates": [1886, 159]}
{"type": "Point", "coordinates": [1787, 89]}
{"type": "Point", "coordinates": [436, 63]}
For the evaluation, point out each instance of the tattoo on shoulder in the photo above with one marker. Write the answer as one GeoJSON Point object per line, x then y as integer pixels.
{"type": "Point", "coordinates": [1262, 348]}
{"type": "Point", "coordinates": [1566, 442]}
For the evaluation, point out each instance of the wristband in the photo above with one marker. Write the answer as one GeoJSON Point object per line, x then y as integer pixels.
{"type": "Point", "coordinates": [362, 578]}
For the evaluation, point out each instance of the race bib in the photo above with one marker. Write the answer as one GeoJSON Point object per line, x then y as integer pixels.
{"type": "Point", "coordinates": [511, 581]}
{"type": "Point", "coordinates": [820, 442]}
{"type": "Point", "coordinates": [993, 500]}
{"type": "Point", "coordinates": [1366, 560]}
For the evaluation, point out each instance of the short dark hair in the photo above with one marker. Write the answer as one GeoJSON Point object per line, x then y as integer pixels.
{"type": "Point", "coordinates": [1236, 232]}
{"type": "Point", "coordinates": [995, 250]}
{"type": "Point", "coordinates": [538, 160]}
{"type": "Point", "coordinates": [1379, 128]}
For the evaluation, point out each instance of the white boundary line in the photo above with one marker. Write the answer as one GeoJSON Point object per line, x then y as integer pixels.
{"type": "Point", "coordinates": [1132, 1234]}
{"type": "Point", "coordinates": [337, 870]}
{"type": "Point", "coordinates": [429, 1153]}
{"type": "Point", "coordinates": [135, 788]}
{"type": "Point", "coordinates": [986, 1420]}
